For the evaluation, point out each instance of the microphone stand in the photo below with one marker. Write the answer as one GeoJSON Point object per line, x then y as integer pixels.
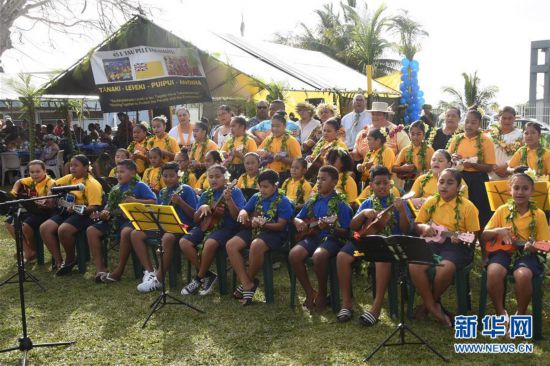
{"type": "Point", "coordinates": [25, 342]}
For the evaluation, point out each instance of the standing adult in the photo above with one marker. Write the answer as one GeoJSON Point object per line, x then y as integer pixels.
{"type": "Point", "coordinates": [397, 140]}
{"type": "Point", "coordinates": [58, 130]}
{"type": "Point", "coordinates": [263, 129]}
{"type": "Point", "coordinates": [444, 134]}
{"type": "Point", "coordinates": [124, 132]}
{"type": "Point", "coordinates": [357, 120]}
{"type": "Point", "coordinates": [262, 113]}
{"type": "Point", "coordinates": [325, 112]}
{"type": "Point", "coordinates": [428, 117]}
{"type": "Point", "coordinates": [183, 131]}
{"type": "Point", "coordinates": [507, 140]}
{"type": "Point", "coordinates": [307, 122]}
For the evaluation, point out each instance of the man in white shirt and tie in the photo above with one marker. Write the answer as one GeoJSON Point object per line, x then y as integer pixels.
{"type": "Point", "coordinates": [355, 121]}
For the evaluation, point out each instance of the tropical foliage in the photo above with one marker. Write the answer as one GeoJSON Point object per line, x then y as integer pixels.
{"type": "Point", "coordinates": [471, 94]}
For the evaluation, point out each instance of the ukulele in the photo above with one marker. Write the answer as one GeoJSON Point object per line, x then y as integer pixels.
{"type": "Point", "coordinates": [270, 158]}
{"type": "Point", "coordinates": [376, 224]}
{"type": "Point", "coordinates": [459, 163]}
{"type": "Point", "coordinates": [313, 226]}
{"type": "Point", "coordinates": [442, 234]}
{"type": "Point", "coordinates": [69, 202]}
{"type": "Point", "coordinates": [498, 244]}
{"type": "Point", "coordinates": [217, 210]}
{"type": "Point", "coordinates": [407, 175]}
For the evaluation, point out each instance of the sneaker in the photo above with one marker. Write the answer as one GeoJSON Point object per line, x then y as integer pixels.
{"type": "Point", "coordinates": [191, 287]}
{"type": "Point", "coordinates": [208, 284]}
{"type": "Point", "coordinates": [147, 276]}
{"type": "Point", "coordinates": [148, 286]}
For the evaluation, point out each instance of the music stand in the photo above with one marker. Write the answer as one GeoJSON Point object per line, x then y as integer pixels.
{"type": "Point", "coordinates": [25, 342]}
{"type": "Point", "coordinates": [403, 250]}
{"type": "Point", "coordinates": [160, 219]}
{"type": "Point", "coordinates": [498, 193]}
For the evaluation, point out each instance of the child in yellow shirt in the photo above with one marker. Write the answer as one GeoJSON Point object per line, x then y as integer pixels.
{"type": "Point", "coordinates": [212, 157]}
{"type": "Point", "coordinates": [235, 147]}
{"type": "Point", "coordinates": [297, 188]}
{"type": "Point", "coordinates": [120, 154]}
{"type": "Point", "coordinates": [378, 153]}
{"type": "Point", "coordinates": [138, 148]}
{"type": "Point", "coordinates": [152, 175]}
{"type": "Point", "coordinates": [186, 176]}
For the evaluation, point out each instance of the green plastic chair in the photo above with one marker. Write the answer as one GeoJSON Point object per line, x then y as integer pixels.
{"type": "Point", "coordinates": [536, 300]}
{"type": "Point", "coordinates": [82, 251]}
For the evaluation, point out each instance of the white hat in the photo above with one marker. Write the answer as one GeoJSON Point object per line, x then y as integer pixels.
{"type": "Point", "coordinates": [380, 107]}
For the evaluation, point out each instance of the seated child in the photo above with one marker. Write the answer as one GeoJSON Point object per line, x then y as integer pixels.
{"type": "Point", "coordinates": [395, 222]}
{"type": "Point", "coordinates": [152, 176]}
{"type": "Point", "coordinates": [212, 157]}
{"type": "Point", "coordinates": [184, 199]}
{"type": "Point", "coordinates": [121, 154]}
{"type": "Point", "coordinates": [249, 179]}
{"type": "Point", "coordinates": [113, 224]}
{"type": "Point", "coordinates": [232, 202]}
{"type": "Point", "coordinates": [271, 211]}
{"type": "Point", "coordinates": [297, 188]}
{"type": "Point", "coordinates": [185, 175]}
{"type": "Point", "coordinates": [327, 243]}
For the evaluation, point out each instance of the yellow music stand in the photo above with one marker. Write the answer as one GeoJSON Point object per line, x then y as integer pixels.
{"type": "Point", "coordinates": [162, 219]}
{"type": "Point", "coordinates": [498, 193]}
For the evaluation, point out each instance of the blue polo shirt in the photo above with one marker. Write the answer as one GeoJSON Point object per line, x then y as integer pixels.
{"type": "Point", "coordinates": [187, 194]}
{"type": "Point", "coordinates": [141, 191]}
{"type": "Point", "coordinates": [320, 209]}
{"type": "Point", "coordinates": [395, 230]}
{"type": "Point", "coordinates": [284, 209]}
{"type": "Point", "coordinates": [238, 198]}
{"type": "Point", "coordinates": [265, 126]}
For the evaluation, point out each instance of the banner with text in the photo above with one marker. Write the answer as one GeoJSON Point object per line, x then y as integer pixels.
{"type": "Point", "coordinates": [145, 77]}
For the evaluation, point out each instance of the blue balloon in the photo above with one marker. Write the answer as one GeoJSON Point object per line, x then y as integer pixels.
{"type": "Point", "coordinates": [414, 74]}
{"type": "Point", "coordinates": [414, 64]}
{"type": "Point", "coordinates": [405, 62]}
{"type": "Point", "coordinates": [420, 93]}
{"type": "Point", "coordinates": [407, 119]}
{"type": "Point", "coordinates": [402, 100]}
{"type": "Point", "coordinates": [422, 101]}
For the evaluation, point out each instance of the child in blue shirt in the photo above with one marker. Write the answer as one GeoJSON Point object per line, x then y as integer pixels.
{"type": "Point", "coordinates": [327, 242]}
{"type": "Point", "coordinates": [184, 200]}
{"type": "Point", "coordinates": [271, 211]}
{"type": "Point", "coordinates": [128, 189]}
{"type": "Point", "coordinates": [394, 222]}
{"type": "Point", "coordinates": [232, 201]}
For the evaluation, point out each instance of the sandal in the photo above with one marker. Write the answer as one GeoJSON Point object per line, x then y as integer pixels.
{"type": "Point", "coordinates": [65, 269]}
{"type": "Point", "coordinates": [98, 276]}
{"type": "Point", "coordinates": [106, 278]}
{"type": "Point", "coordinates": [344, 315]}
{"type": "Point", "coordinates": [368, 319]}
{"type": "Point", "coordinates": [248, 295]}
{"type": "Point", "coordinates": [238, 293]}
{"type": "Point", "coordinates": [448, 314]}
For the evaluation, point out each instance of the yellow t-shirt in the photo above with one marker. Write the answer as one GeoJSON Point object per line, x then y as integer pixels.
{"type": "Point", "coordinates": [522, 223]}
{"type": "Point", "coordinates": [388, 159]}
{"type": "Point", "coordinates": [467, 149]}
{"type": "Point", "coordinates": [191, 179]}
{"type": "Point", "coordinates": [112, 173]}
{"type": "Point", "coordinates": [41, 187]}
{"type": "Point", "coordinates": [153, 178]}
{"type": "Point", "coordinates": [290, 187]}
{"type": "Point", "coordinates": [402, 157]}
{"type": "Point", "coordinates": [293, 149]}
{"type": "Point", "coordinates": [532, 158]}
{"type": "Point", "coordinates": [92, 194]}
{"type": "Point", "coordinates": [139, 147]}
{"type": "Point", "coordinates": [239, 143]}
{"type": "Point", "coordinates": [202, 182]}
{"type": "Point", "coordinates": [251, 182]}
{"type": "Point", "coordinates": [430, 187]}
{"type": "Point", "coordinates": [167, 143]}
{"type": "Point", "coordinates": [444, 214]}
{"type": "Point", "coordinates": [350, 190]}
{"type": "Point", "coordinates": [196, 153]}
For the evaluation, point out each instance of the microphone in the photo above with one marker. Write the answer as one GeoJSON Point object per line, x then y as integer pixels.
{"type": "Point", "coordinates": [64, 189]}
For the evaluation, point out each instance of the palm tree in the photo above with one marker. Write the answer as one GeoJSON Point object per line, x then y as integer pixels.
{"type": "Point", "coordinates": [409, 32]}
{"type": "Point", "coordinates": [29, 96]}
{"type": "Point", "coordinates": [473, 94]}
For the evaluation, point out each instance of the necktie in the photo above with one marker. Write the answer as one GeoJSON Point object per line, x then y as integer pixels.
{"type": "Point", "coordinates": [356, 120]}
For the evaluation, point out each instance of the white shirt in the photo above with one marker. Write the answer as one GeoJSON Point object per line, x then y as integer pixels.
{"type": "Point", "coordinates": [500, 156]}
{"type": "Point", "coordinates": [308, 128]}
{"type": "Point", "coordinates": [174, 132]}
{"type": "Point", "coordinates": [352, 131]}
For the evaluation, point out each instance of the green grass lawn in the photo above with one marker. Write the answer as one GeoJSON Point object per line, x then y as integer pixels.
{"type": "Point", "coordinates": [106, 320]}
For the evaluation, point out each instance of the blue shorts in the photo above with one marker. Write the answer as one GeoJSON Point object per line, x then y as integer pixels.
{"type": "Point", "coordinates": [459, 254]}
{"type": "Point", "coordinates": [222, 235]}
{"type": "Point", "coordinates": [79, 222]}
{"type": "Point", "coordinates": [103, 226]}
{"type": "Point", "coordinates": [331, 244]}
{"type": "Point", "coordinates": [349, 248]}
{"type": "Point", "coordinates": [529, 261]}
{"type": "Point", "coordinates": [273, 239]}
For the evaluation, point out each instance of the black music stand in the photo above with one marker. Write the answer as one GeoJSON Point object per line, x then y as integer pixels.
{"type": "Point", "coordinates": [25, 342]}
{"type": "Point", "coordinates": [161, 219]}
{"type": "Point", "coordinates": [403, 250]}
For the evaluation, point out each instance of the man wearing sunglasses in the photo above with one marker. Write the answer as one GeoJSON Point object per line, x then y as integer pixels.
{"type": "Point", "coordinates": [261, 114]}
{"type": "Point", "coordinates": [263, 129]}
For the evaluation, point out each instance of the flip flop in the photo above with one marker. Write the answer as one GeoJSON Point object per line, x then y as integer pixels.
{"type": "Point", "coordinates": [238, 293]}
{"type": "Point", "coordinates": [368, 319]}
{"type": "Point", "coordinates": [108, 279]}
{"type": "Point", "coordinates": [344, 315]}
{"type": "Point", "coordinates": [248, 295]}
{"type": "Point", "coordinates": [65, 269]}
{"type": "Point", "coordinates": [98, 276]}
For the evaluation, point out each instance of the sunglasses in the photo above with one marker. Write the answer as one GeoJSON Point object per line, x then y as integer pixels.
{"type": "Point", "coordinates": [261, 107]}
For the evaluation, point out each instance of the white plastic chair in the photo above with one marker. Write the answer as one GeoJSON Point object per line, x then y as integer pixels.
{"type": "Point", "coordinates": [58, 167]}
{"type": "Point", "coordinates": [10, 162]}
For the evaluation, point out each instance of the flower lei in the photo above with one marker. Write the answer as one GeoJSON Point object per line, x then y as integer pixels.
{"type": "Point", "coordinates": [166, 196]}
{"type": "Point", "coordinates": [114, 199]}
{"type": "Point", "coordinates": [430, 210]}
{"type": "Point", "coordinates": [344, 182]}
{"type": "Point", "coordinates": [425, 181]}
{"type": "Point", "coordinates": [458, 139]}
{"type": "Point", "coordinates": [184, 179]}
{"type": "Point", "coordinates": [231, 142]}
{"type": "Point", "coordinates": [431, 136]}
{"type": "Point", "coordinates": [421, 155]}
{"type": "Point", "coordinates": [540, 155]}
{"type": "Point", "coordinates": [332, 209]}
{"type": "Point", "coordinates": [496, 136]}
{"type": "Point", "coordinates": [166, 140]}
{"type": "Point", "coordinates": [318, 146]}
{"type": "Point", "coordinates": [245, 181]}
{"type": "Point", "coordinates": [377, 206]}
{"type": "Point", "coordinates": [44, 192]}
{"type": "Point", "coordinates": [299, 191]}
{"type": "Point", "coordinates": [158, 177]}
{"type": "Point", "coordinates": [270, 139]}
{"type": "Point", "coordinates": [203, 149]}
{"type": "Point", "coordinates": [511, 204]}
{"type": "Point", "coordinates": [379, 157]}
{"type": "Point", "coordinates": [271, 210]}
